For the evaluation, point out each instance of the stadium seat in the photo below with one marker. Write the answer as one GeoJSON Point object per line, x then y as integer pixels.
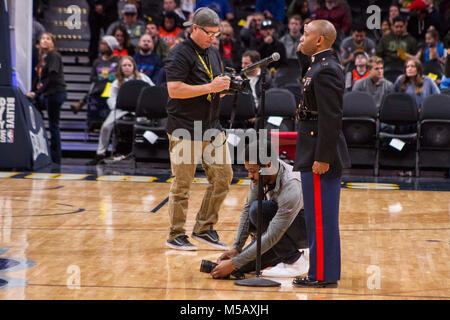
{"type": "Point", "coordinates": [434, 132]}
{"type": "Point", "coordinates": [151, 119]}
{"type": "Point", "coordinates": [398, 149]}
{"type": "Point", "coordinates": [127, 100]}
{"type": "Point", "coordinates": [360, 127]}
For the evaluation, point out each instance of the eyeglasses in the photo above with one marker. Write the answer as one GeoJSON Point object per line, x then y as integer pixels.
{"type": "Point", "coordinates": [210, 33]}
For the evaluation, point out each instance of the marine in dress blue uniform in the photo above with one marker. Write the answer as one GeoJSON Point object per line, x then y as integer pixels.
{"type": "Point", "coordinates": [321, 152]}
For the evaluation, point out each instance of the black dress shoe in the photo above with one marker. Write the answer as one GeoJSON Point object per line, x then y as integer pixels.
{"type": "Point", "coordinates": [309, 283]}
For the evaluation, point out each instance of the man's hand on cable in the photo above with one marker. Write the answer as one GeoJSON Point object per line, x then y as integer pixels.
{"type": "Point", "coordinates": [220, 84]}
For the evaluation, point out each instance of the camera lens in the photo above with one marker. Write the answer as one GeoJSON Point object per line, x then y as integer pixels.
{"type": "Point", "coordinates": [207, 266]}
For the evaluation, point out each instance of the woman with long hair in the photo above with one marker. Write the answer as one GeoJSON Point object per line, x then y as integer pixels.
{"type": "Point", "coordinates": [126, 70]}
{"type": "Point", "coordinates": [414, 83]}
{"type": "Point", "coordinates": [50, 89]}
{"type": "Point", "coordinates": [123, 38]}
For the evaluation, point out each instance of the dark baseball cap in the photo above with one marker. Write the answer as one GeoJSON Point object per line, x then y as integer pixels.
{"type": "Point", "coordinates": [204, 17]}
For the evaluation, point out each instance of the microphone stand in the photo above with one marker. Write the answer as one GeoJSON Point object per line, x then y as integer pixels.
{"type": "Point", "coordinates": [257, 281]}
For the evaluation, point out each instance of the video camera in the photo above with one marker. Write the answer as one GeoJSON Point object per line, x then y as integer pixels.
{"type": "Point", "coordinates": [236, 85]}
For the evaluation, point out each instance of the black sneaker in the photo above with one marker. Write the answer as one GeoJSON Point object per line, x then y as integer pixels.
{"type": "Point", "coordinates": [99, 159]}
{"type": "Point", "coordinates": [181, 243]}
{"type": "Point", "coordinates": [212, 238]}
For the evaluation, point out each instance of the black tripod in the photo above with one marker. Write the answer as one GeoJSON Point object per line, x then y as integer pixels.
{"type": "Point", "coordinates": [257, 281]}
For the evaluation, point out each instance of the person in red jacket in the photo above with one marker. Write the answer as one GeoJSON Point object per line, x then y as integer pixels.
{"type": "Point", "coordinates": [337, 15]}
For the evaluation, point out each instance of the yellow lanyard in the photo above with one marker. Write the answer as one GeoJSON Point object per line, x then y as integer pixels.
{"type": "Point", "coordinates": [208, 71]}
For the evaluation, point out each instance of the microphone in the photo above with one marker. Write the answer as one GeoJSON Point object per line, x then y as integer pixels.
{"type": "Point", "coordinates": [262, 63]}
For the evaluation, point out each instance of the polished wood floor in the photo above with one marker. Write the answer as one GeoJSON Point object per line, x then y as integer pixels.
{"type": "Point", "coordinates": [101, 240]}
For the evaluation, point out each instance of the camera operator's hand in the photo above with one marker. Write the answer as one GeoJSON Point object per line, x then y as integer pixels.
{"type": "Point", "coordinates": [227, 255]}
{"type": "Point", "coordinates": [220, 83]}
{"type": "Point", "coordinates": [223, 269]}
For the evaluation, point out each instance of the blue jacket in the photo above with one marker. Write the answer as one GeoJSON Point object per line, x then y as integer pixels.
{"type": "Point", "coordinates": [150, 65]}
{"type": "Point", "coordinates": [276, 7]}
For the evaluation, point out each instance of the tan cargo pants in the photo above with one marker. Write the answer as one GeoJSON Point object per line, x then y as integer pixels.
{"type": "Point", "coordinates": [184, 157]}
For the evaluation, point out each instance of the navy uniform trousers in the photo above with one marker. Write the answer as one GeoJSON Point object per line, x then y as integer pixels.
{"type": "Point", "coordinates": [321, 202]}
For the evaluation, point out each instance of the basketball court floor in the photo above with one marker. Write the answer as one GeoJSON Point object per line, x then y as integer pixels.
{"type": "Point", "coordinates": [99, 233]}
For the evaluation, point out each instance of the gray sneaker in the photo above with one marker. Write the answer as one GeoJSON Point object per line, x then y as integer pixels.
{"type": "Point", "coordinates": [212, 238]}
{"type": "Point", "coordinates": [181, 243]}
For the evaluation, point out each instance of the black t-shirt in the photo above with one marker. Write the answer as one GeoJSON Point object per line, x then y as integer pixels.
{"type": "Point", "coordinates": [183, 64]}
{"type": "Point", "coordinates": [51, 74]}
{"type": "Point", "coordinates": [102, 72]}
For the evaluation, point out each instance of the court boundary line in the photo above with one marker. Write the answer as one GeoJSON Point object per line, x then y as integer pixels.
{"type": "Point", "coordinates": [242, 290]}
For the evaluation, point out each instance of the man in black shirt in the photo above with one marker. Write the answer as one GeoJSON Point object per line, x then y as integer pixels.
{"type": "Point", "coordinates": [194, 83]}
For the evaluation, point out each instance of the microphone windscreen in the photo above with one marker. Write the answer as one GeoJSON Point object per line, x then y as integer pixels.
{"type": "Point", "coordinates": [276, 56]}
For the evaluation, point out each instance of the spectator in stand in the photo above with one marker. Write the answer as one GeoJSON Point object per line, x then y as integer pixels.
{"type": "Point", "coordinates": [273, 10]}
{"type": "Point", "coordinates": [394, 11]}
{"type": "Point", "coordinates": [135, 27]}
{"type": "Point", "coordinates": [385, 27]}
{"type": "Point", "coordinates": [173, 5]}
{"type": "Point", "coordinates": [147, 61]}
{"type": "Point", "coordinates": [229, 48]}
{"type": "Point", "coordinates": [125, 48]}
{"type": "Point", "coordinates": [188, 6]}
{"type": "Point", "coordinates": [268, 44]}
{"type": "Point", "coordinates": [50, 89]}
{"type": "Point", "coordinates": [414, 83]}
{"type": "Point", "coordinates": [38, 31]}
{"type": "Point", "coordinates": [434, 49]}
{"type": "Point", "coordinates": [183, 35]}
{"type": "Point", "coordinates": [101, 14]}
{"type": "Point", "coordinates": [356, 42]}
{"type": "Point", "coordinates": [338, 16]}
{"type": "Point", "coordinates": [300, 7]}
{"type": "Point", "coordinates": [215, 43]}
{"type": "Point", "coordinates": [439, 15]}
{"type": "Point", "coordinates": [160, 46]}
{"type": "Point", "coordinates": [168, 31]}
{"type": "Point", "coordinates": [375, 84]}
{"type": "Point", "coordinates": [221, 7]}
{"type": "Point", "coordinates": [126, 71]}
{"type": "Point", "coordinates": [420, 20]}
{"type": "Point", "coordinates": [152, 11]}
{"type": "Point", "coordinates": [360, 71]}
{"type": "Point", "coordinates": [102, 75]}
{"type": "Point", "coordinates": [249, 57]}
{"type": "Point", "coordinates": [251, 32]}
{"type": "Point", "coordinates": [291, 39]}
{"type": "Point", "coordinates": [445, 82]}
{"type": "Point", "coordinates": [396, 47]}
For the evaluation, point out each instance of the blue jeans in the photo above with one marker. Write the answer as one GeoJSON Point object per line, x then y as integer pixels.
{"type": "Point", "coordinates": [285, 250]}
{"type": "Point", "coordinates": [53, 103]}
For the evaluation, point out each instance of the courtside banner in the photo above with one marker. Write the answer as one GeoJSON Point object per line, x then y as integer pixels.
{"type": "Point", "coordinates": [5, 47]}
{"type": "Point", "coordinates": [23, 139]}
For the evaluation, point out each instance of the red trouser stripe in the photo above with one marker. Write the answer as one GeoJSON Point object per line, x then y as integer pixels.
{"type": "Point", "coordinates": [319, 229]}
